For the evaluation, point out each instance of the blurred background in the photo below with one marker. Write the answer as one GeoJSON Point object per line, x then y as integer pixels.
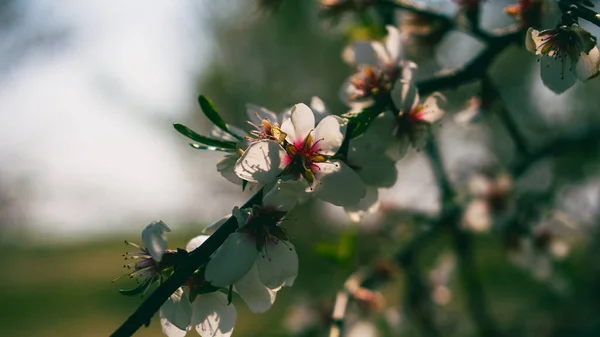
{"type": "Point", "coordinates": [88, 156]}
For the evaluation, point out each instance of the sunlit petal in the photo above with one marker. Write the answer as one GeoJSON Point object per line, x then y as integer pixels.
{"type": "Point", "coordinates": [212, 316]}
{"type": "Point", "coordinates": [261, 162]}
{"type": "Point", "coordinates": [155, 239]}
{"type": "Point", "coordinates": [301, 123]}
{"type": "Point", "coordinates": [329, 135]}
{"type": "Point", "coordinates": [257, 296]}
{"type": "Point", "coordinates": [175, 314]}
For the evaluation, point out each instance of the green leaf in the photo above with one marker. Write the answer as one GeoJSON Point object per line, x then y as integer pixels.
{"type": "Point", "coordinates": [341, 252]}
{"type": "Point", "coordinates": [191, 134]}
{"type": "Point", "coordinates": [363, 119]}
{"type": "Point", "coordinates": [211, 113]}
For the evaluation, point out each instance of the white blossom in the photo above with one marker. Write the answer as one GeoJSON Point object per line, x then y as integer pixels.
{"type": "Point", "coordinates": [568, 53]}
{"type": "Point", "coordinates": [305, 154]}
{"type": "Point", "coordinates": [414, 117]}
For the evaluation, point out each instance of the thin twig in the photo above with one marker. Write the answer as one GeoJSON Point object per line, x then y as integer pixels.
{"type": "Point", "coordinates": [491, 94]}
{"type": "Point", "coordinates": [580, 11]}
{"type": "Point", "coordinates": [476, 68]}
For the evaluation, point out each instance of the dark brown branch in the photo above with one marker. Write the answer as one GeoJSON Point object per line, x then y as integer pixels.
{"type": "Point", "coordinates": [476, 68]}
{"type": "Point", "coordinates": [491, 94]}
{"type": "Point", "coordinates": [580, 11]}
{"type": "Point", "coordinates": [196, 258]}
{"type": "Point", "coordinates": [559, 146]}
{"type": "Point", "coordinates": [415, 8]}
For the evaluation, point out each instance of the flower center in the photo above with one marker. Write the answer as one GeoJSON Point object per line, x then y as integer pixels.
{"type": "Point", "coordinates": [266, 130]}
{"type": "Point", "coordinates": [303, 157]}
{"type": "Point", "coordinates": [369, 83]}
{"type": "Point", "coordinates": [263, 226]}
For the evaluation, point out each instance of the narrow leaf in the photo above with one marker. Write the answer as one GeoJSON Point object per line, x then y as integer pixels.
{"type": "Point", "coordinates": [211, 113]}
{"type": "Point", "coordinates": [191, 134]}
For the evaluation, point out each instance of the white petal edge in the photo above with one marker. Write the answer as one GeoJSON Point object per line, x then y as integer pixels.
{"type": "Point", "coordinates": [329, 134]}
{"type": "Point", "coordinates": [212, 316]}
{"type": "Point", "coordinates": [154, 239]}
{"type": "Point", "coordinates": [175, 314]}
{"type": "Point", "coordinates": [319, 108]}
{"type": "Point", "coordinates": [196, 242]}
{"type": "Point", "coordinates": [393, 44]}
{"type": "Point", "coordinates": [587, 65]}
{"type": "Point", "coordinates": [261, 162]}
{"type": "Point", "coordinates": [277, 264]}
{"type": "Point", "coordinates": [232, 260]}
{"type": "Point", "coordinates": [257, 296]}
{"type": "Point", "coordinates": [339, 184]}
{"type": "Point", "coordinates": [213, 227]}
{"type": "Point", "coordinates": [226, 166]}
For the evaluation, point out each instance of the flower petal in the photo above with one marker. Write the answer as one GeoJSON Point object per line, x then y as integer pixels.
{"type": "Point", "coordinates": [556, 76]}
{"type": "Point", "coordinates": [232, 260]}
{"type": "Point", "coordinates": [212, 316]}
{"type": "Point", "coordinates": [393, 44]}
{"type": "Point", "coordinates": [256, 114]}
{"type": "Point", "coordinates": [213, 228]}
{"type": "Point", "coordinates": [376, 169]}
{"type": "Point", "coordinates": [226, 165]}
{"type": "Point", "coordinates": [329, 135]}
{"type": "Point", "coordinates": [195, 242]}
{"type": "Point", "coordinates": [155, 239]}
{"type": "Point", "coordinates": [300, 124]}
{"type": "Point", "coordinates": [360, 53]}
{"type": "Point", "coordinates": [286, 194]}
{"type": "Point", "coordinates": [405, 96]}
{"type": "Point", "coordinates": [175, 314]}
{"type": "Point", "coordinates": [319, 108]}
{"type": "Point", "coordinates": [339, 184]}
{"type": "Point", "coordinates": [587, 65]}
{"type": "Point", "coordinates": [382, 54]}
{"type": "Point", "coordinates": [258, 297]}
{"type": "Point", "coordinates": [432, 112]}
{"type": "Point", "coordinates": [261, 162]}
{"type": "Point", "coordinates": [277, 264]}
{"type": "Point", "coordinates": [532, 40]}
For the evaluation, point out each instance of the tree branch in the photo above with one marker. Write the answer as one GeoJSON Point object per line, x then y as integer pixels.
{"type": "Point", "coordinates": [580, 11]}
{"type": "Point", "coordinates": [196, 258]}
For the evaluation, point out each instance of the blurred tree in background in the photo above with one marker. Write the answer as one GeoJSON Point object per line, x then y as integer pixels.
{"type": "Point", "coordinates": [529, 269]}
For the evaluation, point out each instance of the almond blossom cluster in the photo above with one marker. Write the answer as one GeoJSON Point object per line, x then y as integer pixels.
{"type": "Point", "coordinates": [307, 152]}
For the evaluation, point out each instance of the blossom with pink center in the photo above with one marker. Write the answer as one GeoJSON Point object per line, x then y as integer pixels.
{"type": "Point", "coordinates": [414, 116]}
{"type": "Point", "coordinates": [305, 154]}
